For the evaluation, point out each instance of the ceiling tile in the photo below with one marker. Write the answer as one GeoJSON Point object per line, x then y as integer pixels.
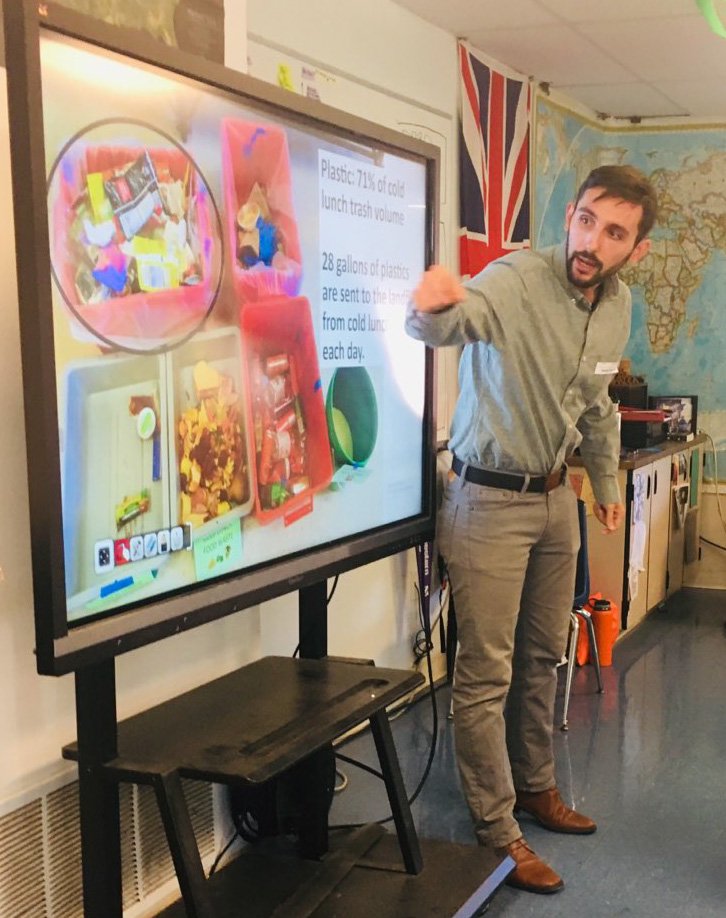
{"type": "Point", "coordinates": [682, 48]}
{"type": "Point", "coordinates": [701, 98]}
{"type": "Point", "coordinates": [555, 54]}
{"type": "Point", "coordinates": [597, 11]}
{"type": "Point", "coordinates": [624, 100]}
{"type": "Point", "coordinates": [463, 16]}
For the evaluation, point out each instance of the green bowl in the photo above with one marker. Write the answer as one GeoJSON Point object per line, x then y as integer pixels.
{"type": "Point", "coordinates": [351, 410]}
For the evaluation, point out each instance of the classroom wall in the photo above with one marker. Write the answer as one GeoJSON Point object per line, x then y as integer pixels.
{"type": "Point", "coordinates": [374, 611]}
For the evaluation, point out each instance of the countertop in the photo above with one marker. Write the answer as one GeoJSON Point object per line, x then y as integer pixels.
{"type": "Point", "coordinates": [636, 458]}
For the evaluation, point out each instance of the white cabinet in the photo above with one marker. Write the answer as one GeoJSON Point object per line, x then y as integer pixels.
{"type": "Point", "coordinates": [656, 540]}
{"type": "Point", "coordinates": [650, 522]}
{"type": "Point", "coordinates": [692, 531]}
{"type": "Point", "coordinates": [638, 517]}
{"type": "Point", "coordinates": [606, 550]}
{"type": "Point", "coordinates": [658, 531]}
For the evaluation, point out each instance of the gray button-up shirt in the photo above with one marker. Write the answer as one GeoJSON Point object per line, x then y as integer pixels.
{"type": "Point", "coordinates": [535, 368]}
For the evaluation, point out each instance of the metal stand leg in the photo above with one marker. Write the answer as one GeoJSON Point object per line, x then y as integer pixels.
{"type": "Point", "coordinates": [183, 845]}
{"type": "Point", "coordinates": [312, 780]}
{"type": "Point", "coordinates": [571, 654]}
{"type": "Point", "coordinates": [99, 798]}
{"type": "Point", "coordinates": [408, 840]}
{"type": "Point", "coordinates": [594, 655]}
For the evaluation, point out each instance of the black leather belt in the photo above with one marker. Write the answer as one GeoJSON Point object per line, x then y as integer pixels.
{"type": "Point", "coordinates": [538, 484]}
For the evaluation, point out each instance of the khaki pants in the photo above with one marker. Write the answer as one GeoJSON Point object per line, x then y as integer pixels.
{"type": "Point", "coordinates": [511, 559]}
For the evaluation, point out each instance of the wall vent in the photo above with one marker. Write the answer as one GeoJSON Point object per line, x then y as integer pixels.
{"type": "Point", "coordinates": [40, 851]}
{"type": "Point", "coordinates": [22, 881]}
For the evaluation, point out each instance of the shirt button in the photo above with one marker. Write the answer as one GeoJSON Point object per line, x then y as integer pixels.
{"type": "Point", "coordinates": [583, 359]}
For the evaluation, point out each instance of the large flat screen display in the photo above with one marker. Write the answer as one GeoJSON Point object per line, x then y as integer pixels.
{"type": "Point", "coordinates": [233, 386]}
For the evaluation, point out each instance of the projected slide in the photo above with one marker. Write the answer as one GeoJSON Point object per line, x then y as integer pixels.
{"type": "Point", "coordinates": [234, 382]}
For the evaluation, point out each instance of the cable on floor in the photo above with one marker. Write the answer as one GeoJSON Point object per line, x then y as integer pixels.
{"type": "Point", "coordinates": [432, 748]}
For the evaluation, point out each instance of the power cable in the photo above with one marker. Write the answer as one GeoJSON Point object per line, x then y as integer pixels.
{"type": "Point", "coordinates": [296, 651]}
{"type": "Point", "coordinates": [434, 736]}
{"type": "Point", "coordinates": [222, 853]}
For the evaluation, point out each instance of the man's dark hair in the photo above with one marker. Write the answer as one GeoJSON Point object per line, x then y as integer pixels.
{"type": "Point", "coordinates": [629, 184]}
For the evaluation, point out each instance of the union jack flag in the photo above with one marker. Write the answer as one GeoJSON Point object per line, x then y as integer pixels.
{"type": "Point", "coordinates": [493, 164]}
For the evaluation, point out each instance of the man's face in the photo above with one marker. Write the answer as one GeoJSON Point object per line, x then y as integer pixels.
{"type": "Point", "coordinates": [601, 238]}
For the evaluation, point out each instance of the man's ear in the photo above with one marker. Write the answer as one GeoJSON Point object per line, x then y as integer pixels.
{"type": "Point", "coordinates": [569, 211]}
{"type": "Point", "coordinates": [640, 251]}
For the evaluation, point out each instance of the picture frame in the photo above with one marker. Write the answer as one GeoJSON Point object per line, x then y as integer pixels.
{"type": "Point", "coordinates": [681, 414]}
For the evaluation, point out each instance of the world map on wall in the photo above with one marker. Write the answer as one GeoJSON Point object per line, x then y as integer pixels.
{"type": "Point", "coordinates": [678, 331]}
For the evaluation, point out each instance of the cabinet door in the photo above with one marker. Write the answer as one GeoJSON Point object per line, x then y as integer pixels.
{"type": "Point", "coordinates": [692, 552]}
{"type": "Point", "coordinates": [642, 482]}
{"type": "Point", "coordinates": [660, 502]}
{"type": "Point", "coordinates": [606, 551]}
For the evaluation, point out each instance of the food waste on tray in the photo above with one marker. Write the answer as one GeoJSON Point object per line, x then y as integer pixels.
{"type": "Point", "coordinates": [259, 241]}
{"type": "Point", "coordinates": [133, 230]}
{"type": "Point", "coordinates": [280, 436]}
{"type": "Point", "coordinates": [146, 411]}
{"type": "Point", "coordinates": [213, 472]}
{"type": "Point", "coordinates": [130, 508]}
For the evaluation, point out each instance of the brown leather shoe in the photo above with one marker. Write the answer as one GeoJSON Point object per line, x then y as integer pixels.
{"type": "Point", "coordinates": [531, 873]}
{"type": "Point", "coordinates": [549, 810]}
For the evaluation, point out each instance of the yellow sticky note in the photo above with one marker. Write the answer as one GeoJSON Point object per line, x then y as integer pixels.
{"type": "Point", "coordinates": [284, 77]}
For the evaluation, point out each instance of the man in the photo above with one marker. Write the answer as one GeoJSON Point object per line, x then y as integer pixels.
{"type": "Point", "coordinates": [543, 333]}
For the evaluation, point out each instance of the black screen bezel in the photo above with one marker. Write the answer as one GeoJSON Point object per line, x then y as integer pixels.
{"type": "Point", "coordinates": [61, 649]}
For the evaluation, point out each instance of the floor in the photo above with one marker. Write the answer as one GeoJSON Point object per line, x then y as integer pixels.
{"type": "Point", "coordinates": [647, 760]}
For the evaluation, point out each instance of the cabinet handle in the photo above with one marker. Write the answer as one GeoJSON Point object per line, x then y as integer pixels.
{"type": "Point", "coordinates": [647, 490]}
{"type": "Point", "coordinates": [655, 482]}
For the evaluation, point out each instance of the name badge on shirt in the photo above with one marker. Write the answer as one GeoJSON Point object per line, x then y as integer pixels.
{"type": "Point", "coordinates": [605, 367]}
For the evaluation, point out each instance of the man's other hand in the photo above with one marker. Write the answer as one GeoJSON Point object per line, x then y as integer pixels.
{"type": "Point", "coordinates": [610, 515]}
{"type": "Point", "coordinates": [437, 290]}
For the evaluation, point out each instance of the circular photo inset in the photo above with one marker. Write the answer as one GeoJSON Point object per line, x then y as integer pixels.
{"type": "Point", "coordinates": [135, 236]}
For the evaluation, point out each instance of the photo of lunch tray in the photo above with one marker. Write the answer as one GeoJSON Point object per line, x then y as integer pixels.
{"type": "Point", "coordinates": [209, 435]}
{"type": "Point", "coordinates": [136, 244]}
{"type": "Point", "coordinates": [115, 470]}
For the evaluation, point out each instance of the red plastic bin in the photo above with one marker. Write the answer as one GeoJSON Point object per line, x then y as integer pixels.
{"type": "Point", "coordinates": [258, 153]}
{"type": "Point", "coordinates": [147, 316]}
{"type": "Point", "coordinates": [284, 325]}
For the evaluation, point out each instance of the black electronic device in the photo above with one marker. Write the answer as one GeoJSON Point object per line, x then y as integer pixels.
{"type": "Point", "coordinates": [640, 429]}
{"type": "Point", "coordinates": [221, 403]}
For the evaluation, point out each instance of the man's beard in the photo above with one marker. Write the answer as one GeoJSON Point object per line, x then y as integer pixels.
{"type": "Point", "coordinates": [599, 276]}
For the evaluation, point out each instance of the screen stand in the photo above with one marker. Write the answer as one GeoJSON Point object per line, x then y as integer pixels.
{"type": "Point", "coordinates": [313, 774]}
{"type": "Point", "coordinates": [98, 797]}
{"type": "Point", "coordinates": [313, 621]}
{"type": "Point", "coordinates": [212, 733]}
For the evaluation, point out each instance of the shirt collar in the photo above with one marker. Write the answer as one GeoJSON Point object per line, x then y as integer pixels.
{"type": "Point", "coordinates": [559, 264]}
